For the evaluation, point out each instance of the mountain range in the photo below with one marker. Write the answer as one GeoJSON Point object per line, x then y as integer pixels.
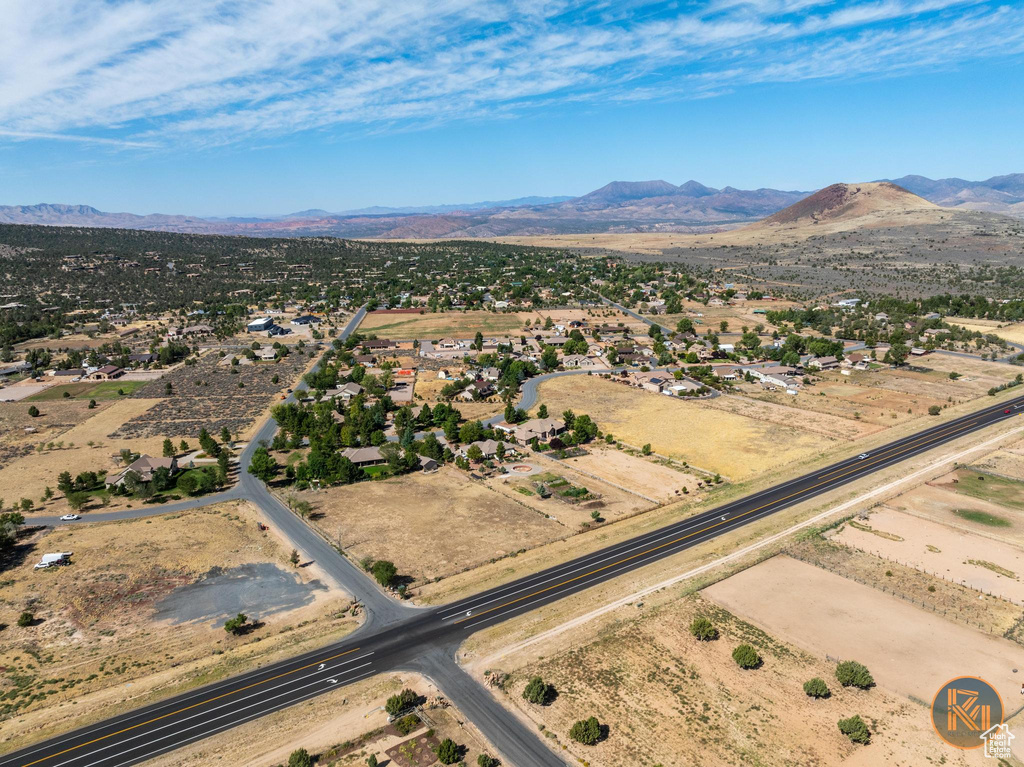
{"type": "Point", "coordinates": [618, 207]}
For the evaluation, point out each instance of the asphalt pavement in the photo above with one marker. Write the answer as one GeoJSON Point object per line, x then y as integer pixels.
{"type": "Point", "coordinates": [425, 639]}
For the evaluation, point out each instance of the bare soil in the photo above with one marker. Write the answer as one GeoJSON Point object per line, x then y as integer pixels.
{"type": "Point", "coordinates": [100, 638]}
{"type": "Point", "coordinates": [910, 651]}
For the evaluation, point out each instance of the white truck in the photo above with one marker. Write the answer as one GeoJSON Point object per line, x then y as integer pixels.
{"type": "Point", "coordinates": [54, 560]}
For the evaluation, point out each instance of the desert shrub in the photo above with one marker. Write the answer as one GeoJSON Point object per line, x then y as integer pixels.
{"type": "Point", "coordinates": [703, 629]}
{"type": "Point", "coordinates": [855, 729]}
{"type": "Point", "coordinates": [538, 691]}
{"type": "Point", "coordinates": [586, 731]}
{"type": "Point", "coordinates": [850, 673]}
{"type": "Point", "coordinates": [816, 688]}
{"type": "Point", "coordinates": [746, 656]}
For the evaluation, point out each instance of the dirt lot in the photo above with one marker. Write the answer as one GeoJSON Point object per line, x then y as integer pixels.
{"type": "Point", "coordinates": [680, 702]}
{"type": "Point", "coordinates": [641, 475]}
{"type": "Point", "coordinates": [340, 728]}
{"type": "Point", "coordinates": [909, 651]}
{"type": "Point", "coordinates": [980, 563]}
{"type": "Point", "coordinates": [65, 429]}
{"type": "Point", "coordinates": [736, 446]}
{"type": "Point", "coordinates": [752, 401]}
{"type": "Point", "coordinates": [124, 622]}
{"type": "Point", "coordinates": [455, 324]}
{"type": "Point", "coordinates": [429, 525]}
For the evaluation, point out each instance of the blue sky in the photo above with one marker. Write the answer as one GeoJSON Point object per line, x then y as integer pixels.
{"type": "Point", "coordinates": [226, 108]}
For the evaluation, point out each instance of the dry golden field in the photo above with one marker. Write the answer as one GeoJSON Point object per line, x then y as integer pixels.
{"type": "Point", "coordinates": [429, 525]}
{"type": "Point", "coordinates": [120, 623]}
{"type": "Point", "coordinates": [736, 446]}
{"type": "Point", "coordinates": [680, 702]}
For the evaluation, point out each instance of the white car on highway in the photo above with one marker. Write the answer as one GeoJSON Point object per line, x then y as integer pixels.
{"type": "Point", "coordinates": [70, 517]}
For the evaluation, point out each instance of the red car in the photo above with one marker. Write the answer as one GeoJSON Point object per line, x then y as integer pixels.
{"type": "Point", "coordinates": [1007, 410]}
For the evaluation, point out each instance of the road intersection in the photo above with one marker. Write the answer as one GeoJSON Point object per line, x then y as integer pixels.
{"type": "Point", "coordinates": [397, 637]}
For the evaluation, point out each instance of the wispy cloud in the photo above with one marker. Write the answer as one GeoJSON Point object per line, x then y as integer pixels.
{"type": "Point", "coordinates": [134, 73]}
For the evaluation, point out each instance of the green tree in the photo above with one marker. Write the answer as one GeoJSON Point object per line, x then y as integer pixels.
{"type": "Point", "coordinates": [294, 558]}
{"type": "Point", "coordinates": [934, 410]}
{"type": "Point", "coordinates": [371, 761]}
{"type": "Point", "coordinates": [26, 619]}
{"type": "Point", "coordinates": [448, 751]}
{"type": "Point", "coordinates": [64, 483]}
{"type": "Point", "coordinates": [586, 731]}
{"type": "Point", "coordinates": [237, 624]}
{"type": "Point", "coordinates": [398, 703]}
{"type": "Point", "coordinates": [33, 411]}
{"type": "Point", "coordinates": [703, 629]}
{"type": "Point", "coordinates": [746, 656]}
{"type": "Point", "coordinates": [475, 453]}
{"type": "Point", "coordinates": [263, 466]}
{"type": "Point", "coordinates": [300, 758]}
{"type": "Point", "coordinates": [542, 411]}
{"type": "Point", "coordinates": [92, 404]}
{"type": "Point", "coordinates": [850, 673]}
{"type": "Point", "coordinates": [77, 500]}
{"type": "Point", "coordinates": [225, 435]}
{"type": "Point", "coordinates": [484, 760]}
{"type": "Point", "coordinates": [646, 449]}
{"type": "Point", "coordinates": [26, 504]}
{"type": "Point", "coordinates": [183, 446]}
{"type": "Point", "coordinates": [538, 691]}
{"type": "Point", "coordinates": [816, 688]}
{"type": "Point", "coordinates": [855, 729]}
{"type": "Point", "coordinates": [384, 572]}
{"type": "Point", "coordinates": [168, 449]}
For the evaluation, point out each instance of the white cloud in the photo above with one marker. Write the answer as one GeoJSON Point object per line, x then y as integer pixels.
{"type": "Point", "coordinates": [221, 71]}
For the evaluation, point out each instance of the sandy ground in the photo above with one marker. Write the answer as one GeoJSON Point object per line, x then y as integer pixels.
{"type": "Point", "coordinates": [937, 501]}
{"type": "Point", "coordinates": [111, 629]}
{"type": "Point", "coordinates": [940, 550]}
{"type": "Point", "coordinates": [736, 446]}
{"type": "Point", "coordinates": [353, 715]}
{"type": "Point", "coordinates": [908, 650]}
{"type": "Point", "coordinates": [642, 475]}
{"type": "Point", "coordinates": [429, 525]}
{"type": "Point", "coordinates": [682, 702]}
{"type": "Point", "coordinates": [455, 324]}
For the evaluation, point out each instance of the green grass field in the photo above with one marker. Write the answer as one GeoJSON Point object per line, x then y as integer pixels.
{"type": "Point", "coordinates": [978, 484]}
{"type": "Point", "coordinates": [982, 517]}
{"type": "Point", "coordinates": [97, 390]}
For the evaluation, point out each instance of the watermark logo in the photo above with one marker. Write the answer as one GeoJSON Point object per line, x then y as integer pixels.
{"type": "Point", "coordinates": [967, 713]}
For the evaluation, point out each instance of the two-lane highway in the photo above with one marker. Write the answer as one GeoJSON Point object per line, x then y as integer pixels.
{"type": "Point", "coordinates": [141, 734]}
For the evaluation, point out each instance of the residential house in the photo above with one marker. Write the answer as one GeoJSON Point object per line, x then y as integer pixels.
{"type": "Point", "coordinates": [823, 363]}
{"type": "Point", "coordinates": [70, 373]}
{"type": "Point", "coordinates": [261, 325]}
{"type": "Point", "coordinates": [364, 456]}
{"type": "Point", "coordinates": [266, 353]}
{"type": "Point", "coordinates": [145, 466]}
{"type": "Point", "coordinates": [428, 465]}
{"type": "Point", "coordinates": [580, 361]}
{"type": "Point", "coordinates": [306, 319]}
{"type": "Point", "coordinates": [145, 358]}
{"type": "Point", "coordinates": [107, 373]}
{"type": "Point", "coordinates": [542, 429]}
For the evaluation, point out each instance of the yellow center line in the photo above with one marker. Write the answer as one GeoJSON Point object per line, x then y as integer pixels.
{"type": "Point", "coordinates": [904, 448]}
{"type": "Point", "coordinates": [892, 449]}
{"type": "Point", "coordinates": [188, 708]}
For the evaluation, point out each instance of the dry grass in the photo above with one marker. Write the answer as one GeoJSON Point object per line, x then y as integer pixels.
{"type": "Point", "coordinates": [736, 446]}
{"type": "Point", "coordinates": [324, 725]}
{"type": "Point", "coordinates": [678, 701]}
{"type": "Point", "coordinates": [434, 326]}
{"type": "Point", "coordinates": [1012, 332]}
{"type": "Point", "coordinates": [429, 525]}
{"type": "Point", "coordinates": [73, 424]}
{"type": "Point", "coordinates": [910, 650]}
{"type": "Point", "coordinates": [646, 476]}
{"type": "Point", "coordinates": [96, 633]}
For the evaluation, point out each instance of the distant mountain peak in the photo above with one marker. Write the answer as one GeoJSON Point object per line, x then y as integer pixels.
{"type": "Point", "coordinates": [695, 189]}
{"type": "Point", "coordinates": [621, 191]}
{"type": "Point", "coordinates": [849, 201]}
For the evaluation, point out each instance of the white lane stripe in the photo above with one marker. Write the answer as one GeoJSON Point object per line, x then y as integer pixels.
{"type": "Point", "coordinates": [174, 703]}
{"type": "Point", "coordinates": [704, 517]}
{"type": "Point", "coordinates": [644, 560]}
{"type": "Point", "coordinates": [146, 733]}
{"type": "Point", "coordinates": [237, 723]}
